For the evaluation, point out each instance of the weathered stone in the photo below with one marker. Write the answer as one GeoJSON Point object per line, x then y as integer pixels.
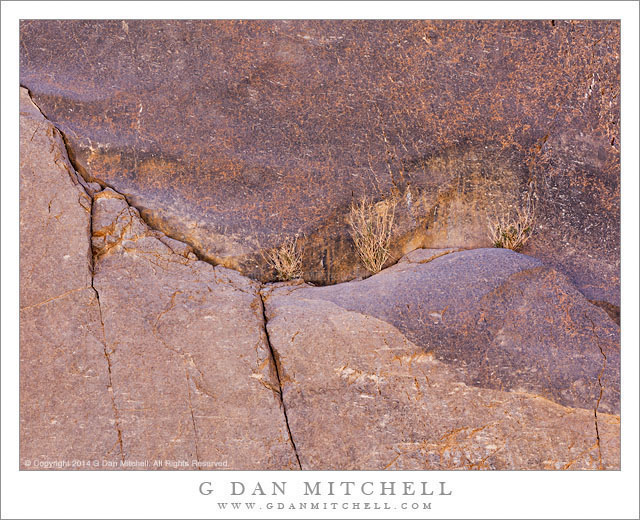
{"type": "Point", "coordinates": [372, 399]}
{"type": "Point", "coordinates": [502, 319]}
{"type": "Point", "coordinates": [213, 140]}
{"type": "Point", "coordinates": [165, 359]}
{"type": "Point", "coordinates": [234, 135]}
{"type": "Point", "coordinates": [55, 252]}
{"type": "Point", "coordinates": [66, 411]}
{"type": "Point", "coordinates": [192, 374]}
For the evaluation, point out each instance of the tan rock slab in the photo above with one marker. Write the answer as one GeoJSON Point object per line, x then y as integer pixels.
{"type": "Point", "coordinates": [55, 253]}
{"type": "Point", "coordinates": [192, 374]}
{"type": "Point", "coordinates": [66, 410]}
{"type": "Point", "coordinates": [360, 395]}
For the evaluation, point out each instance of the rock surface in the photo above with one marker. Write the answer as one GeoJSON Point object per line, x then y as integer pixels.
{"type": "Point", "coordinates": [502, 319]}
{"type": "Point", "coordinates": [135, 348]}
{"type": "Point", "coordinates": [234, 135]}
{"type": "Point", "coordinates": [192, 373]}
{"type": "Point", "coordinates": [148, 355]}
{"type": "Point", "coordinates": [361, 395]}
{"type": "Point", "coordinates": [65, 409]}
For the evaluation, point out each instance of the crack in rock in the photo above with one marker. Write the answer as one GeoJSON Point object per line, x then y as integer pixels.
{"type": "Point", "coordinates": [86, 200]}
{"type": "Point", "coordinates": [279, 391]}
{"type": "Point", "coordinates": [107, 356]}
{"type": "Point", "coordinates": [53, 298]}
{"type": "Point", "coordinates": [193, 419]}
{"type": "Point", "coordinates": [595, 410]}
{"type": "Point", "coordinates": [126, 227]}
{"type": "Point", "coordinates": [93, 185]}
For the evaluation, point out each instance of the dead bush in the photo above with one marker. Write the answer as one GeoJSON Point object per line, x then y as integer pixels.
{"type": "Point", "coordinates": [371, 226]}
{"type": "Point", "coordinates": [286, 260]}
{"type": "Point", "coordinates": [512, 229]}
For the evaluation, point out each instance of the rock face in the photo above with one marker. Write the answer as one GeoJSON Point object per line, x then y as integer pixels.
{"type": "Point", "coordinates": [65, 408]}
{"type": "Point", "coordinates": [234, 135]}
{"type": "Point", "coordinates": [404, 376]}
{"type": "Point", "coordinates": [147, 355]}
{"type": "Point", "coordinates": [187, 148]}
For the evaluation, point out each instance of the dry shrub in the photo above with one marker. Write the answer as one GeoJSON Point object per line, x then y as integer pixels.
{"type": "Point", "coordinates": [511, 231]}
{"type": "Point", "coordinates": [371, 231]}
{"type": "Point", "coordinates": [286, 260]}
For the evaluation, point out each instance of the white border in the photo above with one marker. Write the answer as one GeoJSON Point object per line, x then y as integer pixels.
{"type": "Point", "coordinates": [174, 494]}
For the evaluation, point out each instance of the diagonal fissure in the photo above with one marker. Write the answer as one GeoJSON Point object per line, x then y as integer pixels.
{"type": "Point", "coordinates": [274, 359]}
{"type": "Point", "coordinates": [77, 179]}
{"type": "Point", "coordinates": [107, 355]}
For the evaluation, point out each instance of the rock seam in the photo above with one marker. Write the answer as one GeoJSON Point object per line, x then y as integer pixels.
{"type": "Point", "coordinates": [74, 171]}
{"type": "Point", "coordinates": [274, 359]}
{"type": "Point", "coordinates": [86, 177]}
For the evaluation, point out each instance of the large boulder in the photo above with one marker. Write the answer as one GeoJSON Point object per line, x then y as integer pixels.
{"type": "Point", "coordinates": [235, 135]}
{"type": "Point", "coordinates": [469, 360]}
{"type": "Point", "coordinates": [502, 319]}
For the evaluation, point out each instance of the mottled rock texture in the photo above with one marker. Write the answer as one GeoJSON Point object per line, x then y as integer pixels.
{"type": "Point", "coordinates": [137, 352]}
{"type": "Point", "coordinates": [183, 144]}
{"type": "Point", "coordinates": [361, 393]}
{"type": "Point", "coordinates": [66, 410]}
{"type": "Point", "coordinates": [234, 135]}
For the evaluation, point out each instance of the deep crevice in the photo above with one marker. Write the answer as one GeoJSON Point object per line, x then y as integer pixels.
{"type": "Point", "coordinates": [274, 359]}
{"type": "Point", "coordinates": [88, 178]}
{"type": "Point", "coordinates": [107, 354]}
{"type": "Point", "coordinates": [612, 311]}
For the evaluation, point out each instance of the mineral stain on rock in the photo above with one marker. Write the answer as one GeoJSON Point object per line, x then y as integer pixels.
{"type": "Point", "coordinates": [158, 148]}
{"type": "Point", "coordinates": [501, 318]}
{"type": "Point", "coordinates": [360, 395]}
{"type": "Point", "coordinates": [235, 135]}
